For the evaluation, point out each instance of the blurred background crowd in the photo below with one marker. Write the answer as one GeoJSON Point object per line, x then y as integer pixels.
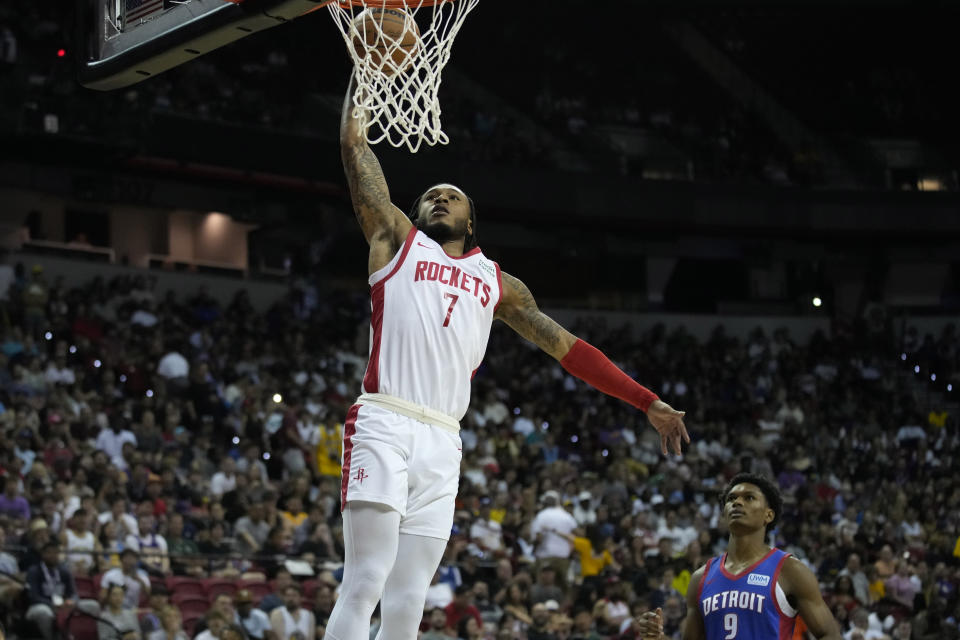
{"type": "Point", "coordinates": [170, 462]}
{"type": "Point", "coordinates": [189, 453]}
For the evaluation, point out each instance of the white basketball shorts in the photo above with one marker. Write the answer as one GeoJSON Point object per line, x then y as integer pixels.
{"type": "Point", "coordinates": [406, 464]}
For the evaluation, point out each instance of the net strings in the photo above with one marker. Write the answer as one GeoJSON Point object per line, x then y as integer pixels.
{"type": "Point", "coordinates": [401, 105]}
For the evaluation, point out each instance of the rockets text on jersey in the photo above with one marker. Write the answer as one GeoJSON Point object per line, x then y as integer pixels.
{"type": "Point", "coordinates": [430, 321]}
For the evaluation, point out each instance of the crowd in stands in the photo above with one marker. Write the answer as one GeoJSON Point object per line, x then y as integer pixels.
{"type": "Point", "coordinates": [170, 469]}
{"type": "Point", "coordinates": [248, 84]}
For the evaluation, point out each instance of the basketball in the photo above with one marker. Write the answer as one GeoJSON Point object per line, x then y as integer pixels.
{"type": "Point", "coordinates": [386, 33]}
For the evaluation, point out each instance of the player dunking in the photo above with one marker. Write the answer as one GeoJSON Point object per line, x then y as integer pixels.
{"type": "Point", "coordinates": [751, 592]}
{"type": "Point", "coordinates": [434, 296]}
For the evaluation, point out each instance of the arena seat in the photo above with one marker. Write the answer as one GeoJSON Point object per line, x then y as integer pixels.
{"type": "Point", "coordinates": [213, 587]}
{"type": "Point", "coordinates": [86, 587]}
{"type": "Point", "coordinates": [185, 585]}
{"type": "Point", "coordinates": [77, 626]}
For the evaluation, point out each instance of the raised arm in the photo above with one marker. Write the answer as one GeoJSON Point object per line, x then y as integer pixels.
{"type": "Point", "coordinates": [803, 593]}
{"type": "Point", "coordinates": [384, 225]}
{"type": "Point", "coordinates": [519, 310]}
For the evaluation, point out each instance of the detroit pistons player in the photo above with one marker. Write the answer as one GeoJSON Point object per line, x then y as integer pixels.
{"type": "Point", "coordinates": [752, 592]}
{"type": "Point", "coordinates": [434, 296]}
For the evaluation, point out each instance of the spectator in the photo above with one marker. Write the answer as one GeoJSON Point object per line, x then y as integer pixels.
{"type": "Point", "coordinates": [613, 609]}
{"type": "Point", "coordinates": [50, 586]}
{"type": "Point", "coordinates": [117, 622]}
{"type": "Point", "coordinates": [930, 624]}
{"type": "Point", "coordinates": [490, 611]}
{"type": "Point", "coordinates": [885, 565]}
{"type": "Point", "coordinates": [181, 549]}
{"type": "Point", "coordinates": [860, 625]}
{"type": "Point", "coordinates": [545, 588]}
{"type": "Point", "coordinates": [252, 530]}
{"type": "Point", "coordinates": [291, 621]}
{"type": "Point", "coordinates": [540, 625]}
{"type": "Point", "coordinates": [172, 626]}
{"type": "Point", "coordinates": [10, 578]}
{"type": "Point", "coordinates": [174, 367]}
{"type": "Point", "coordinates": [322, 606]}
{"type": "Point", "coordinates": [273, 600]}
{"type": "Point", "coordinates": [216, 623]}
{"type": "Point", "coordinates": [551, 521]}
{"type": "Point", "coordinates": [216, 545]}
{"type": "Point", "coordinates": [461, 607]}
{"type": "Point", "coordinates": [843, 595]}
{"type": "Point", "coordinates": [516, 604]}
{"type": "Point", "coordinates": [584, 627]}
{"type": "Point", "coordinates": [486, 532]}
{"type": "Point", "coordinates": [438, 626]}
{"type": "Point", "coordinates": [225, 479]}
{"type": "Point", "coordinates": [861, 585]}
{"type": "Point", "coordinates": [151, 620]}
{"type": "Point", "coordinates": [111, 440]}
{"type": "Point", "coordinates": [135, 581]}
{"type": "Point", "coordinates": [903, 586]}
{"type": "Point", "coordinates": [126, 524]}
{"type": "Point", "coordinates": [255, 623]}
{"type": "Point", "coordinates": [583, 511]}
{"type": "Point", "coordinates": [294, 515]}
{"type": "Point", "coordinates": [12, 504]}
{"type": "Point", "coordinates": [233, 632]}
{"type": "Point", "coordinates": [151, 546]}
{"type": "Point", "coordinates": [223, 604]}
{"type": "Point", "coordinates": [81, 546]}
{"type": "Point", "coordinates": [275, 549]}
{"type": "Point", "coordinates": [469, 629]}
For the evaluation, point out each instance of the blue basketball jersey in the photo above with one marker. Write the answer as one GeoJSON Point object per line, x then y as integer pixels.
{"type": "Point", "coordinates": [746, 606]}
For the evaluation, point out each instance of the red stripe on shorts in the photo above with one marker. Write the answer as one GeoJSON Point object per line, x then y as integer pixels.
{"type": "Point", "coordinates": [349, 428]}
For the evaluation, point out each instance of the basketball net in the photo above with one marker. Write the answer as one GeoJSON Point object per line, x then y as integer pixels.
{"type": "Point", "coordinates": [396, 104]}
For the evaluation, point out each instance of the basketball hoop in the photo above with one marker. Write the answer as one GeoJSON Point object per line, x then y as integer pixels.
{"type": "Point", "coordinates": [396, 81]}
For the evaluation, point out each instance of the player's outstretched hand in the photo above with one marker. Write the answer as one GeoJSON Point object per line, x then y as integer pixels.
{"type": "Point", "coordinates": [669, 424]}
{"type": "Point", "coordinates": [650, 625]}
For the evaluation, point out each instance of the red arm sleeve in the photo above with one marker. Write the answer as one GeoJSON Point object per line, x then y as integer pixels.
{"type": "Point", "coordinates": [590, 365]}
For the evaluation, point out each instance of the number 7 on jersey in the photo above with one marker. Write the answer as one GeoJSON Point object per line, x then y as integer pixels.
{"type": "Point", "coordinates": [453, 302]}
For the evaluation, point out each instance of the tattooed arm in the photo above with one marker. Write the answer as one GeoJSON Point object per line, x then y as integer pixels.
{"type": "Point", "coordinates": [519, 310]}
{"type": "Point", "coordinates": [384, 225]}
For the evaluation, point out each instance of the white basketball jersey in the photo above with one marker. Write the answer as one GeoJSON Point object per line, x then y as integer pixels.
{"type": "Point", "coordinates": [430, 322]}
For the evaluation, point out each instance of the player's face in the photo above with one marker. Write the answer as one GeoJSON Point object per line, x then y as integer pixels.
{"type": "Point", "coordinates": [444, 213]}
{"type": "Point", "coordinates": [746, 508]}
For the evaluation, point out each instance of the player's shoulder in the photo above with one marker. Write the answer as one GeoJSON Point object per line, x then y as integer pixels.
{"type": "Point", "coordinates": [794, 575]}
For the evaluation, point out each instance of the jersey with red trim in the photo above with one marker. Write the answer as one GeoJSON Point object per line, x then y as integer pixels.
{"type": "Point", "coordinates": [430, 321]}
{"type": "Point", "coordinates": [746, 606]}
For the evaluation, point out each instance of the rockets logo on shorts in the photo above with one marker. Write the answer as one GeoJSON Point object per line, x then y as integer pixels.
{"type": "Point", "coordinates": [430, 321]}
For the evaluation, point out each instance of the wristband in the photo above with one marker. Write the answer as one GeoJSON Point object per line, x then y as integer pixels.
{"type": "Point", "coordinates": [590, 365]}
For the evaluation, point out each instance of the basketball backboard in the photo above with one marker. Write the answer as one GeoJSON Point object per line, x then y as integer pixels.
{"type": "Point", "coordinates": [127, 41]}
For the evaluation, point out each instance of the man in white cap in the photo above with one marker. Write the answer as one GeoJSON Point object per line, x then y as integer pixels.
{"type": "Point", "coordinates": [583, 510]}
{"type": "Point", "coordinates": [552, 548]}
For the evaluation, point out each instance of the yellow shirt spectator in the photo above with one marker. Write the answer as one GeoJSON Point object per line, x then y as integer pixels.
{"type": "Point", "coordinates": [329, 450]}
{"type": "Point", "coordinates": [590, 563]}
{"type": "Point", "coordinates": [937, 419]}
